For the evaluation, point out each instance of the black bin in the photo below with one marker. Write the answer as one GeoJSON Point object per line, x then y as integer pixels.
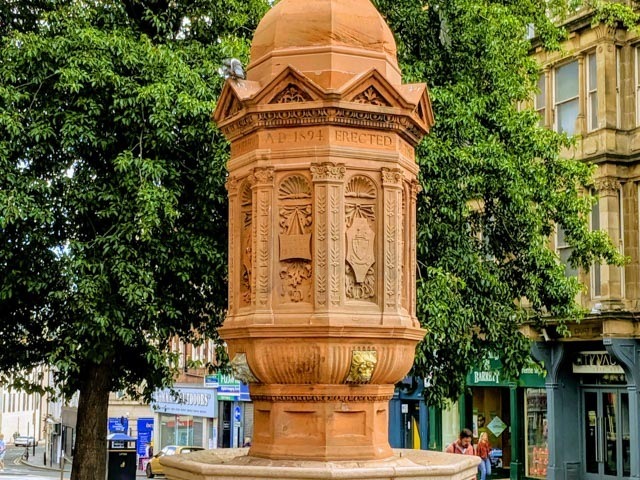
{"type": "Point", "coordinates": [121, 457]}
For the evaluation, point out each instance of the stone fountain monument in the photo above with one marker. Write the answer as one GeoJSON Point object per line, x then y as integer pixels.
{"type": "Point", "coordinates": [322, 248]}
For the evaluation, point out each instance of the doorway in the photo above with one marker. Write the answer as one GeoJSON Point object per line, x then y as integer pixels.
{"type": "Point", "coordinates": [607, 453]}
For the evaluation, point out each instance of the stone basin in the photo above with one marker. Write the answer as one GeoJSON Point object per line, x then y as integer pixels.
{"type": "Point", "coordinates": [234, 463]}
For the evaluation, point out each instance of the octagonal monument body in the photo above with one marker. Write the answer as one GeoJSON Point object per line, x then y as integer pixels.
{"type": "Point", "coordinates": [322, 245]}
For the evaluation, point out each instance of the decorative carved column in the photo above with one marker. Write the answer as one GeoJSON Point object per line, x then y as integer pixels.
{"type": "Point", "coordinates": [328, 180]}
{"type": "Point", "coordinates": [234, 244]}
{"type": "Point", "coordinates": [392, 180]}
{"type": "Point", "coordinates": [262, 185]}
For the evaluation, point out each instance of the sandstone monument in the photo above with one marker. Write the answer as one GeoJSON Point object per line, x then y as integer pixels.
{"type": "Point", "coordinates": [322, 248]}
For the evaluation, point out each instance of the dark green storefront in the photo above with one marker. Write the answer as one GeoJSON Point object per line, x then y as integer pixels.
{"type": "Point", "coordinates": [513, 413]}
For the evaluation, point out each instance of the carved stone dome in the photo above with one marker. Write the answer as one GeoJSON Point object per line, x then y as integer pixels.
{"type": "Point", "coordinates": [344, 37]}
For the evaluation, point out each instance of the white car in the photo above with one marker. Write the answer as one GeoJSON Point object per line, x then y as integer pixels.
{"type": "Point", "coordinates": [23, 441]}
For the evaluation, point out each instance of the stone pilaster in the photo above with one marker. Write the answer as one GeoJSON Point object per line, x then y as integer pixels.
{"type": "Point", "coordinates": [262, 179]}
{"type": "Point", "coordinates": [392, 180]}
{"type": "Point", "coordinates": [328, 181]}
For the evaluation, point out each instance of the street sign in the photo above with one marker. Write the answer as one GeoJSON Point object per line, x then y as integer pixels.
{"type": "Point", "coordinates": [237, 414]}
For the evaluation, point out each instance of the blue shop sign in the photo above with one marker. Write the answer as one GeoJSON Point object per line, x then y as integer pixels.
{"type": "Point", "coordinates": [118, 425]}
{"type": "Point", "coordinates": [145, 435]}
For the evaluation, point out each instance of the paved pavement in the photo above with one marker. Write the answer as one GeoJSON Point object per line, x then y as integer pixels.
{"type": "Point", "coordinates": [34, 467]}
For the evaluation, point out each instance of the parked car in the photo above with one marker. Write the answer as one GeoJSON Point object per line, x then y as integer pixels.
{"type": "Point", "coordinates": [154, 468]}
{"type": "Point", "coordinates": [24, 441]}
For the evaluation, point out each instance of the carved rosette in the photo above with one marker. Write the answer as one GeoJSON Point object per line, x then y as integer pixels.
{"type": "Point", "coordinates": [360, 221]}
{"type": "Point", "coordinates": [295, 227]}
{"type": "Point", "coordinates": [263, 188]}
{"type": "Point", "coordinates": [371, 96]}
{"type": "Point", "coordinates": [392, 186]}
{"type": "Point", "coordinates": [292, 94]}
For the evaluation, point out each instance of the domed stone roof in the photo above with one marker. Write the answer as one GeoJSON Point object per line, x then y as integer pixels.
{"type": "Point", "coordinates": [295, 30]}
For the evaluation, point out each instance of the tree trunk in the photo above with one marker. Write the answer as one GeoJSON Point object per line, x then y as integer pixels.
{"type": "Point", "coordinates": [90, 459]}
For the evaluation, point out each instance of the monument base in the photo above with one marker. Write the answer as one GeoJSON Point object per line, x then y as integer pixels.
{"type": "Point", "coordinates": [235, 464]}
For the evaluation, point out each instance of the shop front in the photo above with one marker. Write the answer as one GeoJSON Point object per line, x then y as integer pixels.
{"type": "Point", "coordinates": [593, 408]}
{"type": "Point", "coordinates": [513, 415]}
{"type": "Point", "coordinates": [188, 416]}
{"type": "Point", "coordinates": [235, 419]}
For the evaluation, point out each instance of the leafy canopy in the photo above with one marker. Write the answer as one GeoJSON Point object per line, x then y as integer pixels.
{"type": "Point", "coordinates": [112, 206]}
{"type": "Point", "coordinates": [494, 185]}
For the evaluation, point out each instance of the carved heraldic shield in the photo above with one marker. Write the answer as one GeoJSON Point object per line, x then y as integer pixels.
{"type": "Point", "coordinates": [360, 248]}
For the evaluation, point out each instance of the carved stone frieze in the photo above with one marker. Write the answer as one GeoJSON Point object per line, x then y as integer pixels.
{"type": "Point", "coordinates": [262, 255]}
{"type": "Point", "coordinates": [262, 176]}
{"type": "Point", "coordinates": [296, 224]}
{"type": "Point", "coordinates": [371, 96]}
{"type": "Point", "coordinates": [246, 244]}
{"type": "Point", "coordinates": [391, 253]}
{"type": "Point", "coordinates": [334, 245]}
{"type": "Point", "coordinates": [607, 186]}
{"type": "Point", "coordinates": [231, 185]}
{"type": "Point", "coordinates": [320, 398]}
{"type": "Point", "coordinates": [403, 125]}
{"type": "Point", "coordinates": [363, 363]}
{"type": "Point", "coordinates": [392, 176]}
{"type": "Point", "coordinates": [292, 94]}
{"type": "Point", "coordinates": [360, 222]}
{"type": "Point", "coordinates": [360, 248]}
{"type": "Point", "coordinates": [327, 171]}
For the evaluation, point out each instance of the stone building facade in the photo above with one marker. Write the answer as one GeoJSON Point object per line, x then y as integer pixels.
{"type": "Point", "coordinates": [591, 428]}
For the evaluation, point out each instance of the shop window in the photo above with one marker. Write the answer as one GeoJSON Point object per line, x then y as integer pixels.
{"type": "Point", "coordinates": [566, 98]}
{"type": "Point", "coordinates": [450, 425]}
{"type": "Point", "coordinates": [536, 430]}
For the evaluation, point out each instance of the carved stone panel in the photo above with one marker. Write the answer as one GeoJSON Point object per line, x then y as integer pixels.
{"type": "Point", "coordinates": [246, 244]}
{"type": "Point", "coordinates": [360, 218]}
{"type": "Point", "coordinates": [295, 227]}
{"type": "Point", "coordinates": [261, 251]}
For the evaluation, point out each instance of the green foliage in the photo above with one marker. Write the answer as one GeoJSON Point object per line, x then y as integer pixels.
{"type": "Point", "coordinates": [112, 203]}
{"type": "Point", "coordinates": [494, 186]}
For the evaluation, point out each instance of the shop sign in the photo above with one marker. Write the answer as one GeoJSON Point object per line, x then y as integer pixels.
{"type": "Point", "coordinates": [497, 426]}
{"type": "Point", "coordinates": [211, 381]}
{"type": "Point", "coordinates": [488, 374]}
{"type": "Point", "coordinates": [198, 402]}
{"type": "Point", "coordinates": [596, 362]}
{"type": "Point", "coordinates": [145, 435]}
{"type": "Point", "coordinates": [118, 424]}
{"type": "Point", "coordinates": [232, 389]}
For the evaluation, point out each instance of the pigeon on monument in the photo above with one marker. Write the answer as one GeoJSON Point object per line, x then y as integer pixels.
{"type": "Point", "coordinates": [232, 68]}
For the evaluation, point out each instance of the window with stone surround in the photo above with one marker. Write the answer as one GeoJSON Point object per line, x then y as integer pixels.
{"type": "Point", "coordinates": [564, 251]}
{"type": "Point", "coordinates": [592, 92]}
{"type": "Point", "coordinates": [541, 98]}
{"type": "Point", "coordinates": [566, 100]}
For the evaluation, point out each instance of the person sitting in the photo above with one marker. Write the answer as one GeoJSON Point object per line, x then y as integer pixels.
{"type": "Point", "coordinates": [462, 446]}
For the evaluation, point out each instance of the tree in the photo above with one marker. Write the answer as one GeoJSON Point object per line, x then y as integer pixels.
{"type": "Point", "coordinates": [495, 185]}
{"type": "Point", "coordinates": [112, 206]}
